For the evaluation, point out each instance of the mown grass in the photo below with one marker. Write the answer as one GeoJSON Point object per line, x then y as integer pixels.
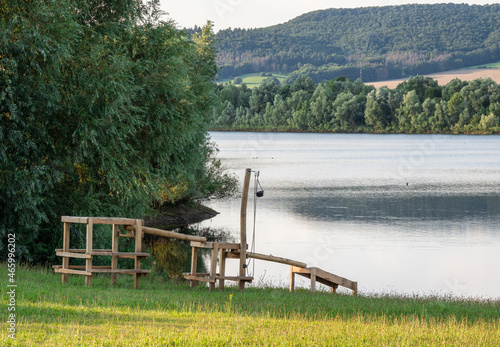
{"type": "Point", "coordinates": [162, 314]}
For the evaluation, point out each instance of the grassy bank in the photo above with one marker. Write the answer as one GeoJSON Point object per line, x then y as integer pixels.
{"type": "Point", "coordinates": [51, 314]}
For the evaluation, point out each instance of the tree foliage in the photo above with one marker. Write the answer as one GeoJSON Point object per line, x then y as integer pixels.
{"type": "Point", "coordinates": [418, 105]}
{"type": "Point", "coordinates": [104, 111]}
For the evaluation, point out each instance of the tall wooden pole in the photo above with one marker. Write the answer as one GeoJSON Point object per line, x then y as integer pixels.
{"type": "Point", "coordinates": [243, 227]}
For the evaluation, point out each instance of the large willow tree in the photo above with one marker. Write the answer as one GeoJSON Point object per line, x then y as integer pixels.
{"type": "Point", "coordinates": [104, 111]}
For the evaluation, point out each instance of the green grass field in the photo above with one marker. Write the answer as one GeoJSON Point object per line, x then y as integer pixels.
{"type": "Point", "coordinates": [486, 66]}
{"type": "Point", "coordinates": [167, 314]}
{"type": "Point", "coordinates": [254, 80]}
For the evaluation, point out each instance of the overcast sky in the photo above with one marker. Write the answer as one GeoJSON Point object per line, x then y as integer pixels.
{"type": "Point", "coordinates": [262, 13]}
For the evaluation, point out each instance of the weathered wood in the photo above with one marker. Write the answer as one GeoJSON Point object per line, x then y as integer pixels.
{"type": "Point", "coordinates": [324, 277]}
{"type": "Point", "coordinates": [235, 278]}
{"type": "Point", "coordinates": [79, 250]}
{"type": "Point", "coordinates": [115, 220]}
{"type": "Point", "coordinates": [88, 249]}
{"type": "Point", "coordinates": [129, 255]}
{"type": "Point", "coordinates": [313, 279]}
{"type": "Point", "coordinates": [292, 279]}
{"type": "Point", "coordinates": [66, 238]}
{"type": "Point", "coordinates": [222, 268]}
{"type": "Point", "coordinates": [73, 272]}
{"type": "Point", "coordinates": [114, 248]}
{"type": "Point", "coordinates": [199, 278]}
{"type": "Point", "coordinates": [270, 258]}
{"type": "Point", "coordinates": [98, 220]}
{"type": "Point", "coordinates": [82, 267]}
{"type": "Point", "coordinates": [194, 264]}
{"type": "Point", "coordinates": [71, 219]}
{"type": "Point", "coordinates": [138, 249]}
{"type": "Point", "coordinates": [68, 255]}
{"type": "Point", "coordinates": [213, 265]}
{"type": "Point", "coordinates": [220, 245]}
{"type": "Point", "coordinates": [171, 234]}
{"type": "Point", "coordinates": [122, 271]}
{"type": "Point", "coordinates": [199, 244]}
{"type": "Point", "coordinates": [203, 274]}
{"type": "Point", "coordinates": [243, 226]}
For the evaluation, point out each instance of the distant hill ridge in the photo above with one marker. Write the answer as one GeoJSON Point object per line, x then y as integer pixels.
{"type": "Point", "coordinates": [374, 43]}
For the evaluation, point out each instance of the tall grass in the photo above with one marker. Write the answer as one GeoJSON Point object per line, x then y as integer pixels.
{"type": "Point", "coordinates": [159, 314]}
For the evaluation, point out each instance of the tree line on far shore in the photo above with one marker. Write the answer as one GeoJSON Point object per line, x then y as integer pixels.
{"type": "Point", "coordinates": [418, 105]}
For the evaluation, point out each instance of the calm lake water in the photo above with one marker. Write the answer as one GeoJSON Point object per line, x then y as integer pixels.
{"type": "Point", "coordinates": [406, 214]}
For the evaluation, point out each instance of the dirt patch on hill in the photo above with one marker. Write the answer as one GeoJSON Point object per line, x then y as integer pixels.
{"type": "Point", "coordinates": [444, 78]}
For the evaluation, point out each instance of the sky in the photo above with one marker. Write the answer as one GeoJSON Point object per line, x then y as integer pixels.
{"type": "Point", "coordinates": [262, 13]}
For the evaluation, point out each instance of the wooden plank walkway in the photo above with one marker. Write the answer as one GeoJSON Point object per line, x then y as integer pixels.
{"type": "Point", "coordinates": [321, 276]}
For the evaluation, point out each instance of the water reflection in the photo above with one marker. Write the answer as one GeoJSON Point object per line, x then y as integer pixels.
{"type": "Point", "coordinates": [396, 213]}
{"type": "Point", "coordinates": [369, 205]}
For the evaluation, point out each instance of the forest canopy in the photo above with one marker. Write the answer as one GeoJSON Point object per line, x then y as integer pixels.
{"type": "Point", "coordinates": [371, 43]}
{"type": "Point", "coordinates": [104, 111]}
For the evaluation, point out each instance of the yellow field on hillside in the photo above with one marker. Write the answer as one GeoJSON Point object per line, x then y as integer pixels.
{"type": "Point", "coordinates": [444, 77]}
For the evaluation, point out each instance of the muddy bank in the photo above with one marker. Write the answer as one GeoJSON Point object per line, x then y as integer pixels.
{"type": "Point", "coordinates": [177, 216]}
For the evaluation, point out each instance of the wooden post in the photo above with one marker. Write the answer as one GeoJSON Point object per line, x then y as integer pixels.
{"type": "Point", "coordinates": [65, 260]}
{"type": "Point", "coordinates": [194, 264]}
{"type": "Point", "coordinates": [243, 227]}
{"type": "Point", "coordinates": [88, 249]}
{"type": "Point", "coordinates": [222, 267]}
{"type": "Point", "coordinates": [114, 249]}
{"type": "Point", "coordinates": [213, 265]}
{"type": "Point", "coordinates": [313, 279]}
{"type": "Point", "coordinates": [138, 249]}
{"type": "Point", "coordinates": [292, 279]}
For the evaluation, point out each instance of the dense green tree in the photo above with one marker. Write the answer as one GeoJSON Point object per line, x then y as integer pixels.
{"type": "Point", "coordinates": [479, 94]}
{"type": "Point", "coordinates": [347, 110]}
{"type": "Point", "coordinates": [409, 110]}
{"type": "Point", "coordinates": [321, 107]}
{"type": "Point", "coordinates": [454, 86]}
{"type": "Point", "coordinates": [104, 110]}
{"type": "Point", "coordinates": [380, 108]}
{"type": "Point", "coordinates": [345, 105]}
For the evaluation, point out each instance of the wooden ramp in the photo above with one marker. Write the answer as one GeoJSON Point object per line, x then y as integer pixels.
{"type": "Point", "coordinates": [321, 276]}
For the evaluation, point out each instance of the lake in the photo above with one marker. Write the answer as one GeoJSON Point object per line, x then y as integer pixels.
{"type": "Point", "coordinates": [399, 214]}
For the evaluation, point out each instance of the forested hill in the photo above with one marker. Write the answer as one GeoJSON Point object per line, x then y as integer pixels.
{"type": "Point", "coordinates": [374, 43]}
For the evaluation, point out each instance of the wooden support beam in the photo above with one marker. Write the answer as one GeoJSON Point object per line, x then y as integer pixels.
{"type": "Point", "coordinates": [114, 249]}
{"type": "Point", "coordinates": [222, 268]}
{"type": "Point", "coordinates": [292, 279]}
{"type": "Point", "coordinates": [167, 233]}
{"type": "Point", "coordinates": [88, 249]}
{"type": "Point", "coordinates": [130, 255]}
{"type": "Point", "coordinates": [138, 249]}
{"type": "Point", "coordinates": [313, 279]}
{"type": "Point", "coordinates": [65, 261]}
{"type": "Point", "coordinates": [213, 265]}
{"type": "Point", "coordinates": [71, 219]}
{"type": "Point", "coordinates": [67, 255]}
{"type": "Point", "coordinates": [73, 272]}
{"type": "Point", "coordinates": [199, 278]}
{"type": "Point", "coordinates": [324, 277]}
{"type": "Point", "coordinates": [98, 220]}
{"type": "Point", "coordinates": [243, 226]}
{"type": "Point", "coordinates": [234, 278]}
{"type": "Point", "coordinates": [194, 263]}
{"type": "Point", "coordinates": [272, 258]}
